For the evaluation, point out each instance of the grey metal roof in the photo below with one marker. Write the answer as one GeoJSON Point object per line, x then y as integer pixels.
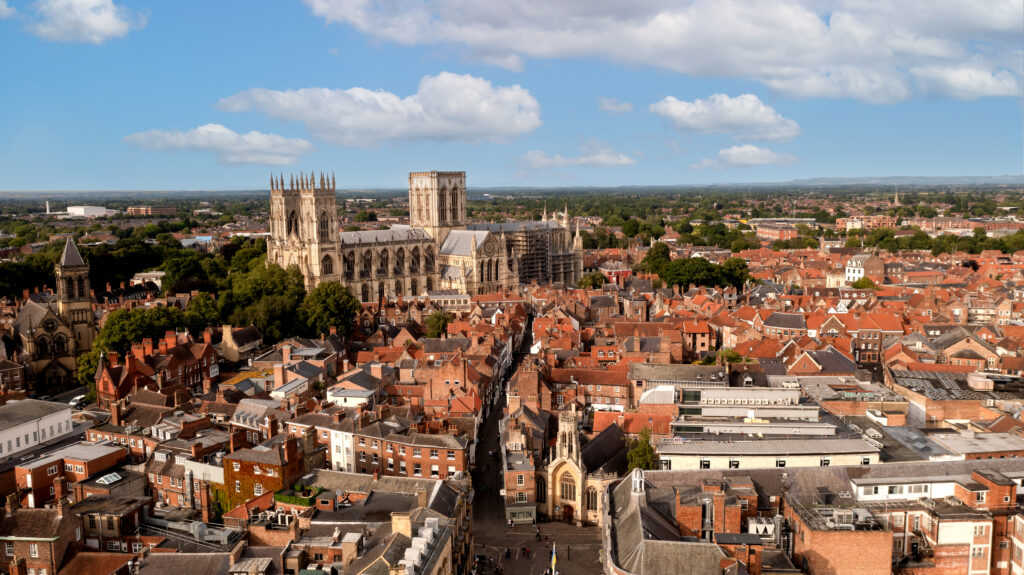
{"type": "Point", "coordinates": [394, 234]}
{"type": "Point", "coordinates": [767, 447]}
{"type": "Point", "coordinates": [20, 411]}
{"type": "Point", "coordinates": [460, 242]}
{"type": "Point", "coordinates": [510, 227]}
{"type": "Point", "coordinates": [674, 372]}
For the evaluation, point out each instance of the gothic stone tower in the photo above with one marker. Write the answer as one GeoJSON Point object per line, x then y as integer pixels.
{"type": "Point", "coordinates": [569, 436]}
{"type": "Point", "coordinates": [304, 227]}
{"type": "Point", "coordinates": [437, 202]}
{"type": "Point", "coordinates": [74, 300]}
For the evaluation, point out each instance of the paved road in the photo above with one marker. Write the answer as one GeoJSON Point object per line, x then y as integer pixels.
{"type": "Point", "coordinates": [578, 548]}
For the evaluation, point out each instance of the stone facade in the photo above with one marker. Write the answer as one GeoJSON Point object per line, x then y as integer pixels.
{"type": "Point", "coordinates": [438, 250]}
{"type": "Point", "coordinates": [54, 329]}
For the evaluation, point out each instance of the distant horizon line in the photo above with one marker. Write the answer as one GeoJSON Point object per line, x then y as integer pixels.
{"type": "Point", "coordinates": [834, 181]}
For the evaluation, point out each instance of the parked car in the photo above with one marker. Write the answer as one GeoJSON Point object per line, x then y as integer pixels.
{"type": "Point", "coordinates": [77, 401]}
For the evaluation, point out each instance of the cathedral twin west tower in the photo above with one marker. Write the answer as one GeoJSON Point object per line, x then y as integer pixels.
{"type": "Point", "coordinates": [438, 250]}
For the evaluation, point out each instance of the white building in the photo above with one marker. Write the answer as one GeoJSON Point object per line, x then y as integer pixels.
{"type": "Point", "coordinates": [676, 454]}
{"type": "Point", "coordinates": [89, 212]}
{"type": "Point", "coordinates": [341, 450]}
{"type": "Point", "coordinates": [28, 423]}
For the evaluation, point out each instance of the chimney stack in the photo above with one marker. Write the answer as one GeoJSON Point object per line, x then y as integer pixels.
{"type": "Point", "coordinates": [11, 504]}
{"type": "Point", "coordinates": [401, 522]}
{"type": "Point", "coordinates": [286, 354]}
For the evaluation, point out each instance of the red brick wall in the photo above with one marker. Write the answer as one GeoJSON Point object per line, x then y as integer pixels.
{"type": "Point", "coordinates": [840, 552]}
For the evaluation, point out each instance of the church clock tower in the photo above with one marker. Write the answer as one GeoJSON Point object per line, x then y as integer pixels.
{"type": "Point", "coordinates": [74, 300]}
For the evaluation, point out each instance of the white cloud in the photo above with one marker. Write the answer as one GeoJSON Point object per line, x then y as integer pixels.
{"type": "Point", "coordinates": [446, 107]}
{"type": "Point", "coordinates": [966, 82]}
{"type": "Point", "coordinates": [861, 49]}
{"type": "Point", "coordinates": [229, 146]}
{"type": "Point", "coordinates": [6, 11]}
{"type": "Point", "coordinates": [595, 155]}
{"type": "Point", "coordinates": [614, 106]}
{"type": "Point", "coordinates": [745, 156]}
{"type": "Point", "coordinates": [89, 21]}
{"type": "Point", "coordinates": [745, 117]}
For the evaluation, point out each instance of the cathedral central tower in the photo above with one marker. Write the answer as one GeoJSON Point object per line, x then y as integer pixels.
{"type": "Point", "coordinates": [437, 202]}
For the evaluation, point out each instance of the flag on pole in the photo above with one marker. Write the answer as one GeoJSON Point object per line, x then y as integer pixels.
{"type": "Point", "coordinates": [554, 558]}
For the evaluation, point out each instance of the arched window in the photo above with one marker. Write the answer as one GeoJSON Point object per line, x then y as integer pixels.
{"type": "Point", "coordinates": [293, 223]}
{"type": "Point", "coordinates": [455, 205]}
{"type": "Point", "coordinates": [414, 288]}
{"type": "Point", "coordinates": [568, 486]}
{"type": "Point", "coordinates": [325, 227]}
{"type": "Point", "coordinates": [60, 344]}
{"type": "Point", "coordinates": [430, 284]}
{"type": "Point", "coordinates": [327, 266]}
{"type": "Point", "coordinates": [542, 490]}
{"type": "Point", "coordinates": [483, 272]}
{"type": "Point", "coordinates": [43, 346]}
{"type": "Point", "coordinates": [83, 287]}
{"type": "Point", "coordinates": [366, 292]}
{"type": "Point", "coordinates": [400, 262]}
{"type": "Point", "coordinates": [398, 289]}
{"type": "Point", "coordinates": [428, 260]}
{"type": "Point", "coordinates": [590, 499]}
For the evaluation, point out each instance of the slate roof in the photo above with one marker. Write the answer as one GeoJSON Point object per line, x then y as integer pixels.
{"type": "Point", "coordinates": [30, 523]}
{"type": "Point", "coordinates": [71, 257]}
{"type": "Point", "coordinates": [178, 563]}
{"type": "Point", "coordinates": [832, 361]}
{"type": "Point", "coordinates": [606, 453]}
{"type": "Point", "coordinates": [781, 320]}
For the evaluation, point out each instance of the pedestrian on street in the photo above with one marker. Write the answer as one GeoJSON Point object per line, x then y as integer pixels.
{"type": "Point", "coordinates": [510, 523]}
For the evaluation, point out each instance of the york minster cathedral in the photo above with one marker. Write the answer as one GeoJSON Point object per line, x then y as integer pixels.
{"type": "Point", "coordinates": [438, 250]}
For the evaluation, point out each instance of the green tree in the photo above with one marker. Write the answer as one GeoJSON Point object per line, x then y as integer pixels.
{"type": "Point", "coordinates": [630, 228]}
{"type": "Point", "coordinates": [437, 323]}
{"type": "Point", "coordinates": [657, 257]}
{"type": "Point", "coordinates": [864, 283]}
{"type": "Point", "coordinates": [735, 272]}
{"type": "Point", "coordinates": [201, 313]}
{"type": "Point", "coordinates": [365, 216]}
{"type": "Point", "coordinates": [593, 280]}
{"type": "Point", "coordinates": [330, 305]}
{"type": "Point", "coordinates": [697, 271]}
{"type": "Point", "coordinates": [641, 452]}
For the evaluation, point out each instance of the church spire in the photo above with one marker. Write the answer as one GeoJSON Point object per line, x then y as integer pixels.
{"type": "Point", "coordinates": [71, 256]}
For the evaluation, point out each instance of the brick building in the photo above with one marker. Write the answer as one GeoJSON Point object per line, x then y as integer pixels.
{"type": "Point", "coordinates": [41, 479]}
{"type": "Point", "coordinates": [36, 540]}
{"type": "Point", "coordinates": [269, 467]}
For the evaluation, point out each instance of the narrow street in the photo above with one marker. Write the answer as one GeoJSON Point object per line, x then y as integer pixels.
{"type": "Point", "coordinates": [578, 548]}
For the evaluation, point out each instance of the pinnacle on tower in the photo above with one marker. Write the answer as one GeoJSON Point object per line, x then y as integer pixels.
{"type": "Point", "coordinates": [291, 182]}
{"type": "Point", "coordinates": [272, 182]}
{"type": "Point", "coordinates": [332, 181]}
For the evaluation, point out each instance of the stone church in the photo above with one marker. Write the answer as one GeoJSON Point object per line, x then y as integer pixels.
{"type": "Point", "coordinates": [53, 329]}
{"type": "Point", "coordinates": [438, 250]}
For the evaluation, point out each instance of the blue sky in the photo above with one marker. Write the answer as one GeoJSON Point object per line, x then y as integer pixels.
{"type": "Point", "coordinates": [119, 94]}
